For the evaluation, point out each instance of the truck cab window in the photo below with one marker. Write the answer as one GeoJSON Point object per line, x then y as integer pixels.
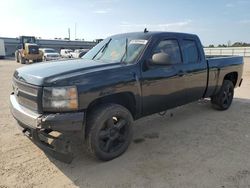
{"type": "Point", "coordinates": [171, 48]}
{"type": "Point", "coordinates": [190, 51]}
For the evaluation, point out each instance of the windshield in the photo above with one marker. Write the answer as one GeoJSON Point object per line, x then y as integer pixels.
{"type": "Point", "coordinates": [50, 51]}
{"type": "Point", "coordinates": [118, 49]}
{"type": "Point", "coordinates": [29, 40]}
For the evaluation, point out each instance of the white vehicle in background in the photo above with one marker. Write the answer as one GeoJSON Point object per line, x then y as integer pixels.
{"type": "Point", "coordinates": [66, 53]}
{"type": "Point", "coordinates": [84, 51]}
{"type": "Point", "coordinates": [2, 49]}
{"type": "Point", "coordinates": [78, 53]}
{"type": "Point", "coordinates": [50, 54]}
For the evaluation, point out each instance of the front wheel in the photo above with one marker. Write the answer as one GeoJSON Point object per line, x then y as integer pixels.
{"type": "Point", "coordinates": [17, 57]}
{"type": "Point", "coordinates": [109, 131]}
{"type": "Point", "coordinates": [223, 100]}
{"type": "Point", "coordinates": [22, 59]}
{"type": "Point", "coordinates": [44, 58]}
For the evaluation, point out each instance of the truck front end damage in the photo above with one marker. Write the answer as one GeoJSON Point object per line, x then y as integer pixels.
{"type": "Point", "coordinates": [44, 129]}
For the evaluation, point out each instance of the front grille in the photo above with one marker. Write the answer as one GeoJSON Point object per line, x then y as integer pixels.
{"type": "Point", "coordinates": [27, 95]}
{"type": "Point", "coordinates": [52, 55]}
{"type": "Point", "coordinates": [33, 49]}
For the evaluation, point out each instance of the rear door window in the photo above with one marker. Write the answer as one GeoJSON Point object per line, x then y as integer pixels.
{"type": "Point", "coordinates": [191, 52]}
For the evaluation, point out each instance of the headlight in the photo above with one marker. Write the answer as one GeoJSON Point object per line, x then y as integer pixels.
{"type": "Point", "coordinates": [60, 98]}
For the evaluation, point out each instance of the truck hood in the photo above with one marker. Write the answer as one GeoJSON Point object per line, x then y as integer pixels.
{"type": "Point", "coordinates": [46, 74]}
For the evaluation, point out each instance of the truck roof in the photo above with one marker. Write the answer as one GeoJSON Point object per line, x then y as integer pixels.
{"type": "Point", "coordinates": [150, 34]}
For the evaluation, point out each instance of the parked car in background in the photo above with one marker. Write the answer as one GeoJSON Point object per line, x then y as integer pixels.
{"type": "Point", "coordinates": [78, 53]}
{"type": "Point", "coordinates": [83, 53]}
{"type": "Point", "coordinates": [66, 53]}
{"type": "Point", "coordinates": [49, 54]}
{"type": "Point", "coordinates": [2, 49]}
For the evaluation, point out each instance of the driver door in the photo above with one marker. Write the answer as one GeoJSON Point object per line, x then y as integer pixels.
{"type": "Point", "coordinates": [163, 85]}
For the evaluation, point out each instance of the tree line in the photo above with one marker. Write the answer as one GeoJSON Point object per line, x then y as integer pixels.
{"type": "Point", "coordinates": [236, 44]}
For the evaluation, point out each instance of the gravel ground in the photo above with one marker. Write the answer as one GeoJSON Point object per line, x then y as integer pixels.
{"type": "Point", "coordinates": [191, 146]}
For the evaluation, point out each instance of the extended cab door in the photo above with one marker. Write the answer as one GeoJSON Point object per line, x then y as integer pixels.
{"type": "Point", "coordinates": [163, 85]}
{"type": "Point", "coordinates": [195, 68]}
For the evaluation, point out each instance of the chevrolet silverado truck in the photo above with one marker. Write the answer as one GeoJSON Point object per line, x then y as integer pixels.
{"type": "Point", "coordinates": [123, 78]}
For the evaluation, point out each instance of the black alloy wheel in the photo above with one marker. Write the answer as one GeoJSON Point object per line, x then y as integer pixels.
{"type": "Point", "coordinates": [109, 131]}
{"type": "Point", "coordinates": [223, 100]}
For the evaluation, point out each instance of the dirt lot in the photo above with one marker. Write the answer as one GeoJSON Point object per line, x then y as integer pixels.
{"type": "Point", "coordinates": [192, 146]}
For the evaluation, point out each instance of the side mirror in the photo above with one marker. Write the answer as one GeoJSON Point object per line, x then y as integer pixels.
{"type": "Point", "coordinates": [161, 59]}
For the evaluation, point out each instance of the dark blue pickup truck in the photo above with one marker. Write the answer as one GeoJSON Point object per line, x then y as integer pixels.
{"type": "Point", "coordinates": [123, 78]}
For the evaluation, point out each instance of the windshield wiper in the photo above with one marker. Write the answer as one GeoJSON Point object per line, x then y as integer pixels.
{"type": "Point", "coordinates": [102, 48]}
{"type": "Point", "coordinates": [126, 51]}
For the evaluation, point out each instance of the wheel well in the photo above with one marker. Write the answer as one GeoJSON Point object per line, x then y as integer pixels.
{"type": "Point", "coordinates": [233, 76]}
{"type": "Point", "coordinates": [125, 99]}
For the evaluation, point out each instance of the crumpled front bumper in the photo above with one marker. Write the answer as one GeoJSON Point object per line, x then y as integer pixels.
{"type": "Point", "coordinates": [46, 142]}
{"type": "Point", "coordinates": [38, 127]}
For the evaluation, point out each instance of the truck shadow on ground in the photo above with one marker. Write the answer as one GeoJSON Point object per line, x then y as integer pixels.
{"type": "Point", "coordinates": [170, 146]}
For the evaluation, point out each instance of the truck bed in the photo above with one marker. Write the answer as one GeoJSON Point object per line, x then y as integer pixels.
{"type": "Point", "coordinates": [219, 67]}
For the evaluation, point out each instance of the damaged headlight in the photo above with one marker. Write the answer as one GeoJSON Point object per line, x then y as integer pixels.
{"type": "Point", "coordinates": [56, 99]}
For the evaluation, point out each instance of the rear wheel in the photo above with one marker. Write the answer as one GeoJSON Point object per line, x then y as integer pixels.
{"type": "Point", "coordinates": [223, 100]}
{"type": "Point", "coordinates": [109, 131]}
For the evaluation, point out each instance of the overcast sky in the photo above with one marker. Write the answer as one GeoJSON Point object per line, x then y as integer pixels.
{"type": "Point", "coordinates": [215, 21]}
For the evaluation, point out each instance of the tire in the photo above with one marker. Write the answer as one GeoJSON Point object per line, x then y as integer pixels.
{"type": "Point", "coordinates": [44, 58]}
{"type": "Point", "coordinates": [17, 57]}
{"type": "Point", "coordinates": [21, 59]}
{"type": "Point", "coordinates": [109, 131]}
{"type": "Point", "coordinates": [223, 100]}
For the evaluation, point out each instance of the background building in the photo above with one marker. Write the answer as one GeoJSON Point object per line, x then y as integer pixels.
{"type": "Point", "coordinates": [11, 44]}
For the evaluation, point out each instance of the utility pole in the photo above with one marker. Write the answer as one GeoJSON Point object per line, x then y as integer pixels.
{"type": "Point", "coordinates": [69, 32]}
{"type": "Point", "coordinates": [75, 31]}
